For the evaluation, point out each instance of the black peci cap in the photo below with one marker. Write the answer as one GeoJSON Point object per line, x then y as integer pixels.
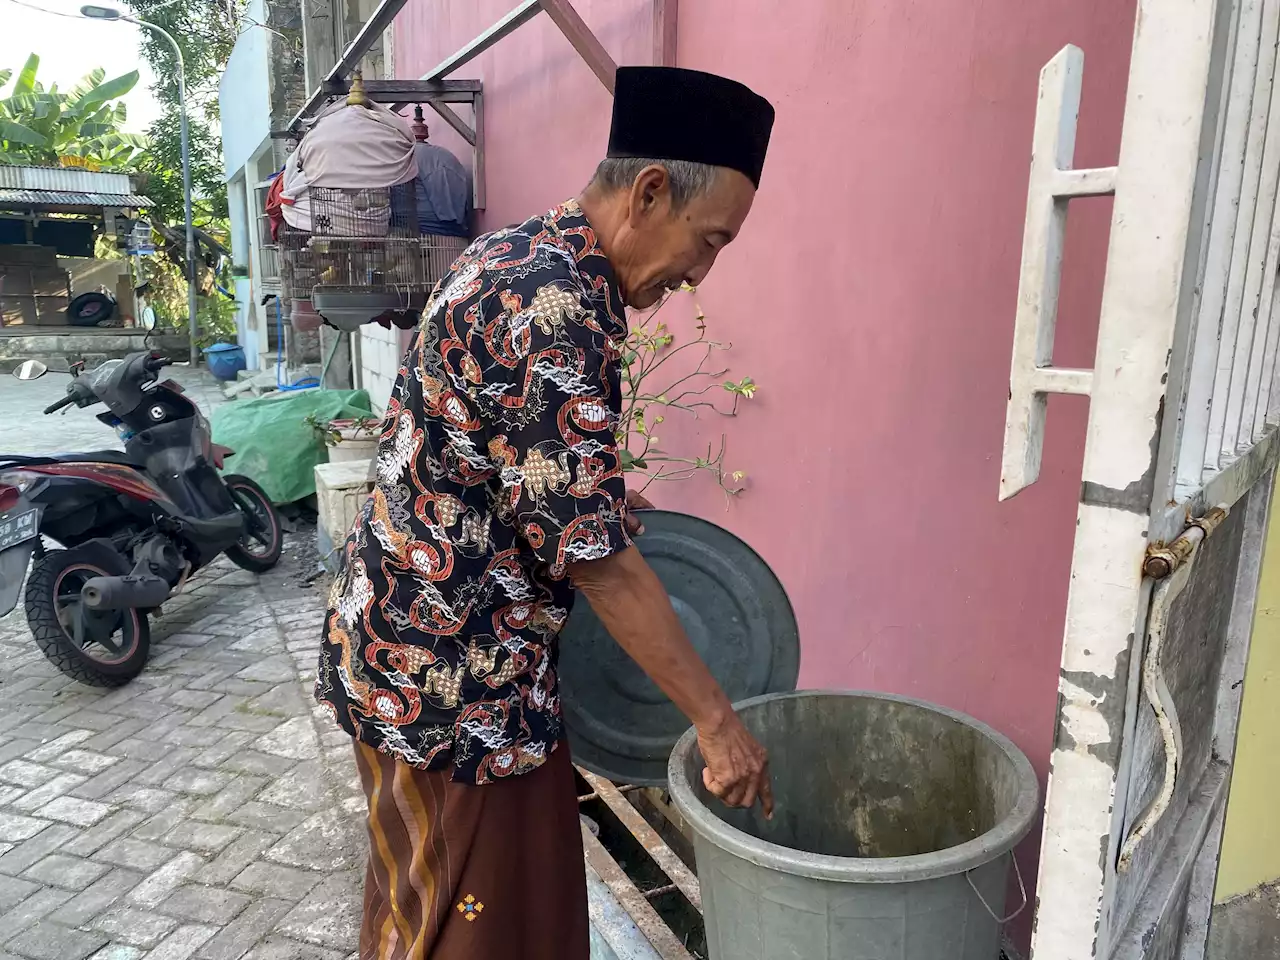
{"type": "Point", "coordinates": [668, 113]}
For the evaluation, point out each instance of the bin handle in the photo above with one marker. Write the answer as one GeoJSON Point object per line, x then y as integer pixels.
{"type": "Point", "coordinates": [1022, 888]}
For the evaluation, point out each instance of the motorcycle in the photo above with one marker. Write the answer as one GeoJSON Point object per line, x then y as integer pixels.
{"type": "Point", "coordinates": [131, 527]}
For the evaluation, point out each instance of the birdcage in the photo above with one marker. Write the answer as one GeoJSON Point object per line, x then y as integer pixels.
{"type": "Point", "coordinates": [297, 270]}
{"type": "Point", "coordinates": [368, 255]}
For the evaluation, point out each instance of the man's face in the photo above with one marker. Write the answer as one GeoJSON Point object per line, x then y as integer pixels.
{"type": "Point", "coordinates": [660, 247]}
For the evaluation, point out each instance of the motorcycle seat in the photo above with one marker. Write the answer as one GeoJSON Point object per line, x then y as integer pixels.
{"type": "Point", "coordinates": [95, 456]}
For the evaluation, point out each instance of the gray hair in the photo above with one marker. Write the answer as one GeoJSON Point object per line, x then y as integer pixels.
{"type": "Point", "coordinates": [686, 178]}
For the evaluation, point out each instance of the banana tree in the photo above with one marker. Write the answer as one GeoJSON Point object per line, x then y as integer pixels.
{"type": "Point", "coordinates": [42, 126]}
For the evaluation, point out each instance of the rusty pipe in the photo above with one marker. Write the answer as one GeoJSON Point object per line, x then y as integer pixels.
{"type": "Point", "coordinates": [1162, 559]}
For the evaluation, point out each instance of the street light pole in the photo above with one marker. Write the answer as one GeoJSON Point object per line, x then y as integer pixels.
{"type": "Point", "coordinates": [110, 13]}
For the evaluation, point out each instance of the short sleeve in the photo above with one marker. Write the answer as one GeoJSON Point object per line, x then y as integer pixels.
{"type": "Point", "coordinates": [553, 437]}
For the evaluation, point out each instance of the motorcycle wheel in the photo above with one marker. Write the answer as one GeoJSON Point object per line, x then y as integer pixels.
{"type": "Point", "coordinates": [259, 549]}
{"type": "Point", "coordinates": [99, 648]}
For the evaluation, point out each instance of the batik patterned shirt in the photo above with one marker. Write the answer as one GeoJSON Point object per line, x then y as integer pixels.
{"type": "Point", "coordinates": [496, 468]}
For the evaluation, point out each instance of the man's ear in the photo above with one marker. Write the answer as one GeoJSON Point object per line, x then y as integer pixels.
{"type": "Point", "coordinates": [649, 192]}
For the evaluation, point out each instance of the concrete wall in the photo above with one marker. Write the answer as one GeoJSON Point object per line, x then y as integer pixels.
{"type": "Point", "coordinates": [872, 296]}
{"type": "Point", "coordinates": [244, 93]}
{"type": "Point", "coordinates": [1251, 840]}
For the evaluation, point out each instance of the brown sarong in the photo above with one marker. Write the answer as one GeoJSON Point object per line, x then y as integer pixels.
{"type": "Point", "coordinates": [464, 872]}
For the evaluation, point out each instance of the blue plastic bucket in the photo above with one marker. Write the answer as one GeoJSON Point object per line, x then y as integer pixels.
{"type": "Point", "coordinates": [225, 360]}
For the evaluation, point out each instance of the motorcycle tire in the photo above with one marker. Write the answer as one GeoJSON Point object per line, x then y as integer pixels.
{"type": "Point", "coordinates": [92, 664]}
{"type": "Point", "coordinates": [253, 553]}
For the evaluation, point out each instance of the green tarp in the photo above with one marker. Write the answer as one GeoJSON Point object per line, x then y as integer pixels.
{"type": "Point", "coordinates": [274, 443]}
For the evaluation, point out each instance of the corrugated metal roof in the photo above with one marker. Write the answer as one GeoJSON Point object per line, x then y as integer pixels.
{"type": "Point", "coordinates": [67, 198]}
{"type": "Point", "coordinates": [65, 179]}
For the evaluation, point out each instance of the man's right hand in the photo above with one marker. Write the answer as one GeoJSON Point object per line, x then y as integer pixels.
{"type": "Point", "coordinates": [737, 767]}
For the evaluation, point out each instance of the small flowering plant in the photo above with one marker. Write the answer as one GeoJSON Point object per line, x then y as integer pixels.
{"type": "Point", "coordinates": [649, 391]}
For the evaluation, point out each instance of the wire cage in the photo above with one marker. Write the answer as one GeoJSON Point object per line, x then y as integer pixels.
{"type": "Point", "coordinates": [297, 268]}
{"type": "Point", "coordinates": [370, 241]}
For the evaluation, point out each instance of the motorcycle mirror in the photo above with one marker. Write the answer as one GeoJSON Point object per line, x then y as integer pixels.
{"type": "Point", "coordinates": [30, 370]}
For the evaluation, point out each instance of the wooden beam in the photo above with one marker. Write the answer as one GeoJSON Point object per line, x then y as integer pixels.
{"type": "Point", "coordinates": [402, 92]}
{"type": "Point", "coordinates": [453, 120]}
{"type": "Point", "coordinates": [512, 21]}
{"type": "Point", "coordinates": [583, 40]}
{"type": "Point", "coordinates": [665, 17]}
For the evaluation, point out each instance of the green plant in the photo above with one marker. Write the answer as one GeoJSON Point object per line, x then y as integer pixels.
{"type": "Point", "coordinates": [649, 348]}
{"type": "Point", "coordinates": [45, 127]}
{"type": "Point", "coordinates": [324, 432]}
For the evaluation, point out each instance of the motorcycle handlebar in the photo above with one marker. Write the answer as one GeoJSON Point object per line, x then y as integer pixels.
{"type": "Point", "coordinates": [155, 363]}
{"type": "Point", "coordinates": [64, 402]}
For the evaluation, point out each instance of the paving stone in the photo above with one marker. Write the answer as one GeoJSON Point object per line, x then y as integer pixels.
{"type": "Point", "coordinates": [26, 774]}
{"type": "Point", "coordinates": [302, 788]}
{"type": "Point", "coordinates": [57, 746]}
{"type": "Point", "coordinates": [266, 816]}
{"type": "Point", "coordinates": [14, 891]}
{"type": "Point", "coordinates": [258, 723]}
{"type": "Point", "coordinates": [322, 842]}
{"type": "Point", "coordinates": [287, 883]}
{"type": "Point", "coordinates": [194, 736]}
{"type": "Point", "coordinates": [47, 940]}
{"type": "Point", "coordinates": [237, 937]}
{"type": "Point", "coordinates": [117, 951]}
{"type": "Point", "coordinates": [263, 640]}
{"type": "Point", "coordinates": [80, 813]}
{"type": "Point", "coordinates": [15, 827]}
{"type": "Point", "coordinates": [294, 739]}
{"type": "Point", "coordinates": [330, 914]}
{"type": "Point", "coordinates": [242, 852]}
{"type": "Point", "coordinates": [135, 854]}
{"type": "Point", "coordinates": [253, 762]}
{"type": "Point", "coordinates": [147, 799]}
{"type": "Point", "coordinates": [206, 904]}
{"type": "Point", "coordinates": [39, 798]}
{"type": "Point", "coordinates": [97, 787]}
{"type": "Point", "coordinates": [168, 878]}
{"type": "Point", "coordinates": [10, 794]}
{"type": "Point", "coordinates": [98, 836]}
{"type": "Point", "coordinates": [175, 759]}
{"type": "Point", "coordinates": [15, 747]}
{"type": "Point", "coordinates": [72, 873]}
{"type": "Point", "coordinates": [233, 796]}
{"type": "Point", "coordinates": [33, 909]}
{"type": "Point", "coordinates": [37, 848]}
{"type": "Point", "coordinates": [96, 898]}
{"type": "Point", "coordinates": [222, 753]}
{"type": "Point", "coordinates": [203, 837]}
{"type": "Point", "coordinates": [158, 826]}
{"type": "Point", "coordinates": [280, 948]}
{"type": "Point", "coordinates": [216, 710]}
{"type": "Point", "coordinates": [200, 782]}
{"type": "Point", "coordinates": [88, 762]}
{"type": "Point", "coordinates": [183, 942]}
{"type": "Point", "coordinates": [123, 729]}
{"type": "Point", "coordinates": [139, 928]}
{"type": "Point", "coordinates": [189, 640]}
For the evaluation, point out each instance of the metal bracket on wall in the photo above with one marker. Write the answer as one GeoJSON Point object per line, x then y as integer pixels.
{"type": "Point", "coordinates": [438, 93]}
{"type": "Point", "coordinates": [1053, 182]}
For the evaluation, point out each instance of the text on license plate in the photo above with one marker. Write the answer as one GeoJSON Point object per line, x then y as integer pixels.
{"type": "Point", "coordinates": [18, 528]}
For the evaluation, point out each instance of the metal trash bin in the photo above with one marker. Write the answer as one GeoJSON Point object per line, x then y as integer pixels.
{"type": "Point", "coordinates": [892, 835]}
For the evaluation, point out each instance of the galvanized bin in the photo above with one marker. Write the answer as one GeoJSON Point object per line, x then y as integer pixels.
{"type": "Point", "coordinates": [891, 840]}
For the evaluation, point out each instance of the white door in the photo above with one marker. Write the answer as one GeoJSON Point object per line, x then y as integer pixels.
{"type": "Point", "coordinates": [1178, 462]}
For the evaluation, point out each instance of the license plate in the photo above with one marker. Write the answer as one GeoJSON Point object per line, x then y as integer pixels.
{"type": "Point", "coordinates": [18, 528]}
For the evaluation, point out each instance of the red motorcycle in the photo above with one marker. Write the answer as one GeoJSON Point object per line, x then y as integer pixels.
{"type": "Point", "coordinates": [131, 527]}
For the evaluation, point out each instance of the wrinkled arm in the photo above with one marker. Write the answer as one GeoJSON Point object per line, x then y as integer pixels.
{"type": "Point", "coordinates": [628, 598]}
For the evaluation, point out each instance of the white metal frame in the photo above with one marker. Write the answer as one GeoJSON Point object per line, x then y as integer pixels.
{"type": "Point", "coordinates": [1187, 317]}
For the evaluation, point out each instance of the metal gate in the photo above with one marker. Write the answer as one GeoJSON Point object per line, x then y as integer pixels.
{"type": "Point", "coordinates": [1178, 462]}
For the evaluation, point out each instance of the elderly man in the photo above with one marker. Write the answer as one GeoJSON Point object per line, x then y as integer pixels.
{"type": "Point", "coordinates": [500, 489]}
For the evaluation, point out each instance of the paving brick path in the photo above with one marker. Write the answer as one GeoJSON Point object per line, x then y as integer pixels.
{"type": "Point", "coordinates": [203, 811]}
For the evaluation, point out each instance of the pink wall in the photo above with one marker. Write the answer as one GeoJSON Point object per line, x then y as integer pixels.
{"type": "Point", "coordinates": [872, 296]}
